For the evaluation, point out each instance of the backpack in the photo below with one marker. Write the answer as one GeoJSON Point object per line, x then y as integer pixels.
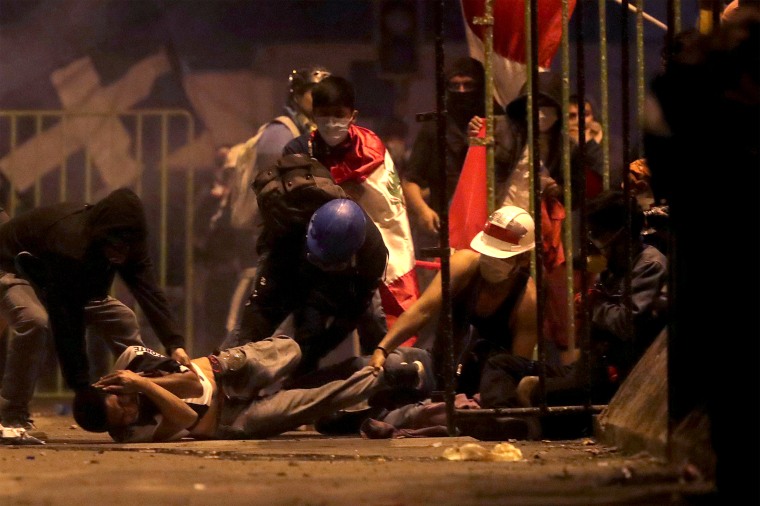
{"type": "Point", "coordinates": [242, 201]}
{"type": "Point", "coordinates": [289, 192]}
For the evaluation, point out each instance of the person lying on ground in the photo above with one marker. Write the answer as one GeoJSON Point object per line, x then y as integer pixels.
{"type": "Point", "coordinates": [234, 394]}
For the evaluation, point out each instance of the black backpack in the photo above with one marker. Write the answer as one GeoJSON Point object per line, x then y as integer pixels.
{"type": "Point", "coordinates": [289, 192]}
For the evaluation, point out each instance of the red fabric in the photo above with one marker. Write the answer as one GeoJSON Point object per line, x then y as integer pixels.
{"type": "Point", "coordinates": [552, 216]}
{"type": "Point", "coordinates": [469, 205]}
{"type": "Point", "coordinates": [398, 297]}
{"type": "Point", "coordinates": [509, 27]}
{"type": "Point", "coordinates": [366, 153]}
{"type": "Point", "coordinates": [594, 184]}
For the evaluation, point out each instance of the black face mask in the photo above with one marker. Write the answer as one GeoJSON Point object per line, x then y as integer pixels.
{"type": "Point", "coordinates": [462, 106]}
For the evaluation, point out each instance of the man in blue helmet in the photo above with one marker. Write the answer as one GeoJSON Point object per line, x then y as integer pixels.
{"type": "Point", "coordinates": [321, 267]}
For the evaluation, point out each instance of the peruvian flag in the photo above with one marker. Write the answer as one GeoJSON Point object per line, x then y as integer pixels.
{"type": "Point", "coordinates": [368, 175]}
{"type": "Point", "coordinates": [469, 205]}
{"type": "Point", "coordinates": [509, 41]}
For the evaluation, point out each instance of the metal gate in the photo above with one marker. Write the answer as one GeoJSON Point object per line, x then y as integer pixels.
{"type": "Point", "coordinates": [50, 156]}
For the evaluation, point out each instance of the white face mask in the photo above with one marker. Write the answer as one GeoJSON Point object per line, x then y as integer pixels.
{"type": "Point", "coordinates": [496, 270]}
{"type": "Point", "coordinates": [333, 130]}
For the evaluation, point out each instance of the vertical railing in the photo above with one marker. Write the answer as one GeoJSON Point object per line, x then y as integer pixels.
{"type": "Point", "coordinates": [36, 121]}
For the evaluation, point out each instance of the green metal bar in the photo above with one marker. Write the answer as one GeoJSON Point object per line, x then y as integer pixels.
{"type": "Point", "coordinates": [529, 76]}
{"type": "Point", "coordinates": [13, 200]}
{"type": "Point", "coordinates": [64, 173]}
{"type": "Point", "coordinates": [640, 76]}
{"type": "Point", "coordinates": [567, 230]}
{"type": "Point", "coordinates": [163, 233]}
{"type": "Point", "coordinates": [605, 95]}
{"type": "Point", "coordinates": [677, 16]}
{"type": "Point", "coordinates": [189, 240]}
{"type": "Point", "coordinates": [139, 152]}
{"type": "Point", "coordinates": [487, 22]}
{"type": "Point", "coordinates": [37, 182]}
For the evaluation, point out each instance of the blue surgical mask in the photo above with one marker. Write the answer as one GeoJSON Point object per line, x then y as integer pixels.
{"type": "Point", "coordinates": [333, 130]}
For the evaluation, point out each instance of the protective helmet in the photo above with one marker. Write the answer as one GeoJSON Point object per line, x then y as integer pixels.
{"type": "Point", "coordinates": [509, 231]}
{"type": "Point", "coordinates": [300, 80]}
{"type": "Point", "coordinates": [336, 231]}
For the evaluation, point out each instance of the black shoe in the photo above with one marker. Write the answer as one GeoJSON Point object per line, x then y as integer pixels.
{"type": "Point", "coordinates": [494, 429]}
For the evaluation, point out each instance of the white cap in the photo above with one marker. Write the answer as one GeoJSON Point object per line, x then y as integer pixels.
{"type": "Point", "coordinates": [509, 231]}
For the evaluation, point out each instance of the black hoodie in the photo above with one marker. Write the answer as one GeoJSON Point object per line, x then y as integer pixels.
{"type": "Point", "coordinates": [67, 239]}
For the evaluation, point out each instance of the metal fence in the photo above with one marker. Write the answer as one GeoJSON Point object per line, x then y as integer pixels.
{"type": "Point", "coordinates": [50, 156]}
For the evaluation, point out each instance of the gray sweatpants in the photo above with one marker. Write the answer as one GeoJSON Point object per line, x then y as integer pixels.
{"type": "Point", "coordinates": [256, 365]}
{"type": "Point", "coordinates": [30, 339]}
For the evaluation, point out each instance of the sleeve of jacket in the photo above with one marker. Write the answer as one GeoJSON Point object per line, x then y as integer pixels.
{"type": "Point", "coordinates": [647, 281]}
{"type": "Point", "coordinates": [139, 276]}
{"type": "Point", "coordinates": [422, 157]}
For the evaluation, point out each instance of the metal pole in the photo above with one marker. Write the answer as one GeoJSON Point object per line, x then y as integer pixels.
{"type": "Point", "coordinates": [487, 22]}
{"type": "Point", "coordinates": [605, 96]}
{"type": "Point", "coordinates": [581, 189]}
{"type": "Point", "coordinates": [567, 230]}
{"type": "Point", "coordinates": [531, 14]}
{"type": "Point", "coordinates": [446, 317]}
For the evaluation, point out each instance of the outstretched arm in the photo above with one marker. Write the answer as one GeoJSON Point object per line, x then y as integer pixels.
{"type": "Point", "coordinates": [463, 264]}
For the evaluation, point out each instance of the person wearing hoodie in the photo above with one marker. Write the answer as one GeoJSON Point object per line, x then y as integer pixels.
{"type": "Point", "coordinates": [465, 98]}
{"type": "Point", "coordinates": [57, 265]}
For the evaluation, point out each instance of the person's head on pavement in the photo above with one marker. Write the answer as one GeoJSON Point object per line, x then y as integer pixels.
{"type": "Point", "coordinates": [90, 409]}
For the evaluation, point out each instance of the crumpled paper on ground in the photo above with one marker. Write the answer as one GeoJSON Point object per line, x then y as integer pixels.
{"type": "Point", "coordinates": [502, 452]}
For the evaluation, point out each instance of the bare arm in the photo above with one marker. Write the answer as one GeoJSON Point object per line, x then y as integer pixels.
{"type": "Point", "coordinates": [425, 215]}
{"type": "Point", "coordinates": [523, 322]}
{"type": "Point", "coordinates": [464, 264]}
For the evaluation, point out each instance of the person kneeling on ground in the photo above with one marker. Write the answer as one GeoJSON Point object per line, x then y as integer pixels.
{"type": "Point", "coordinates": [230, 395]}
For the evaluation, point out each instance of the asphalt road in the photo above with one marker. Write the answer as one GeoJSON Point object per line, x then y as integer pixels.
{"type": "Point", "coordinates": [304, 468]}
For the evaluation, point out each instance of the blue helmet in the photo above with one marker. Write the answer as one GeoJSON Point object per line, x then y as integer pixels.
{"type": "Point", "coordinates": [336, 231]}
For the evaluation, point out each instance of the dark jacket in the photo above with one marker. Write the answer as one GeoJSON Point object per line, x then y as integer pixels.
{"type": "Point", "coordinates": [325, 305]}
{"type": "Point", "coordinates": [67, 239]}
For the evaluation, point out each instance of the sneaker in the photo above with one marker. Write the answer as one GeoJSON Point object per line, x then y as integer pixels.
{"type": "Point", "coordinates": [16, 436]}
{"type": "Point", "coordinates": [423, 362]}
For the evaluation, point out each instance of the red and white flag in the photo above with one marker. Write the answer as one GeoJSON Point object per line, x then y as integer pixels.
{"type": "Point", "coordinates": [509, 41]}
{"type": "Point", "coordinates": [368, 174]}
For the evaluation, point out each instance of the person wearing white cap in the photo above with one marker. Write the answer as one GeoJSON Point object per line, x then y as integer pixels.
{"type": "Point", "coordinates": [494, 300]}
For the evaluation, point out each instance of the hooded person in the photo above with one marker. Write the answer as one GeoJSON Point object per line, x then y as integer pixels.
{"type": "Point", "coordinates": [57, 265]}
{"type": "Point", "coordinates": [465, 98]}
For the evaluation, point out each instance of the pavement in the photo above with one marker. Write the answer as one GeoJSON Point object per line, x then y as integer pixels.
{"type": "Point", "coordinates": [303, 467]}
